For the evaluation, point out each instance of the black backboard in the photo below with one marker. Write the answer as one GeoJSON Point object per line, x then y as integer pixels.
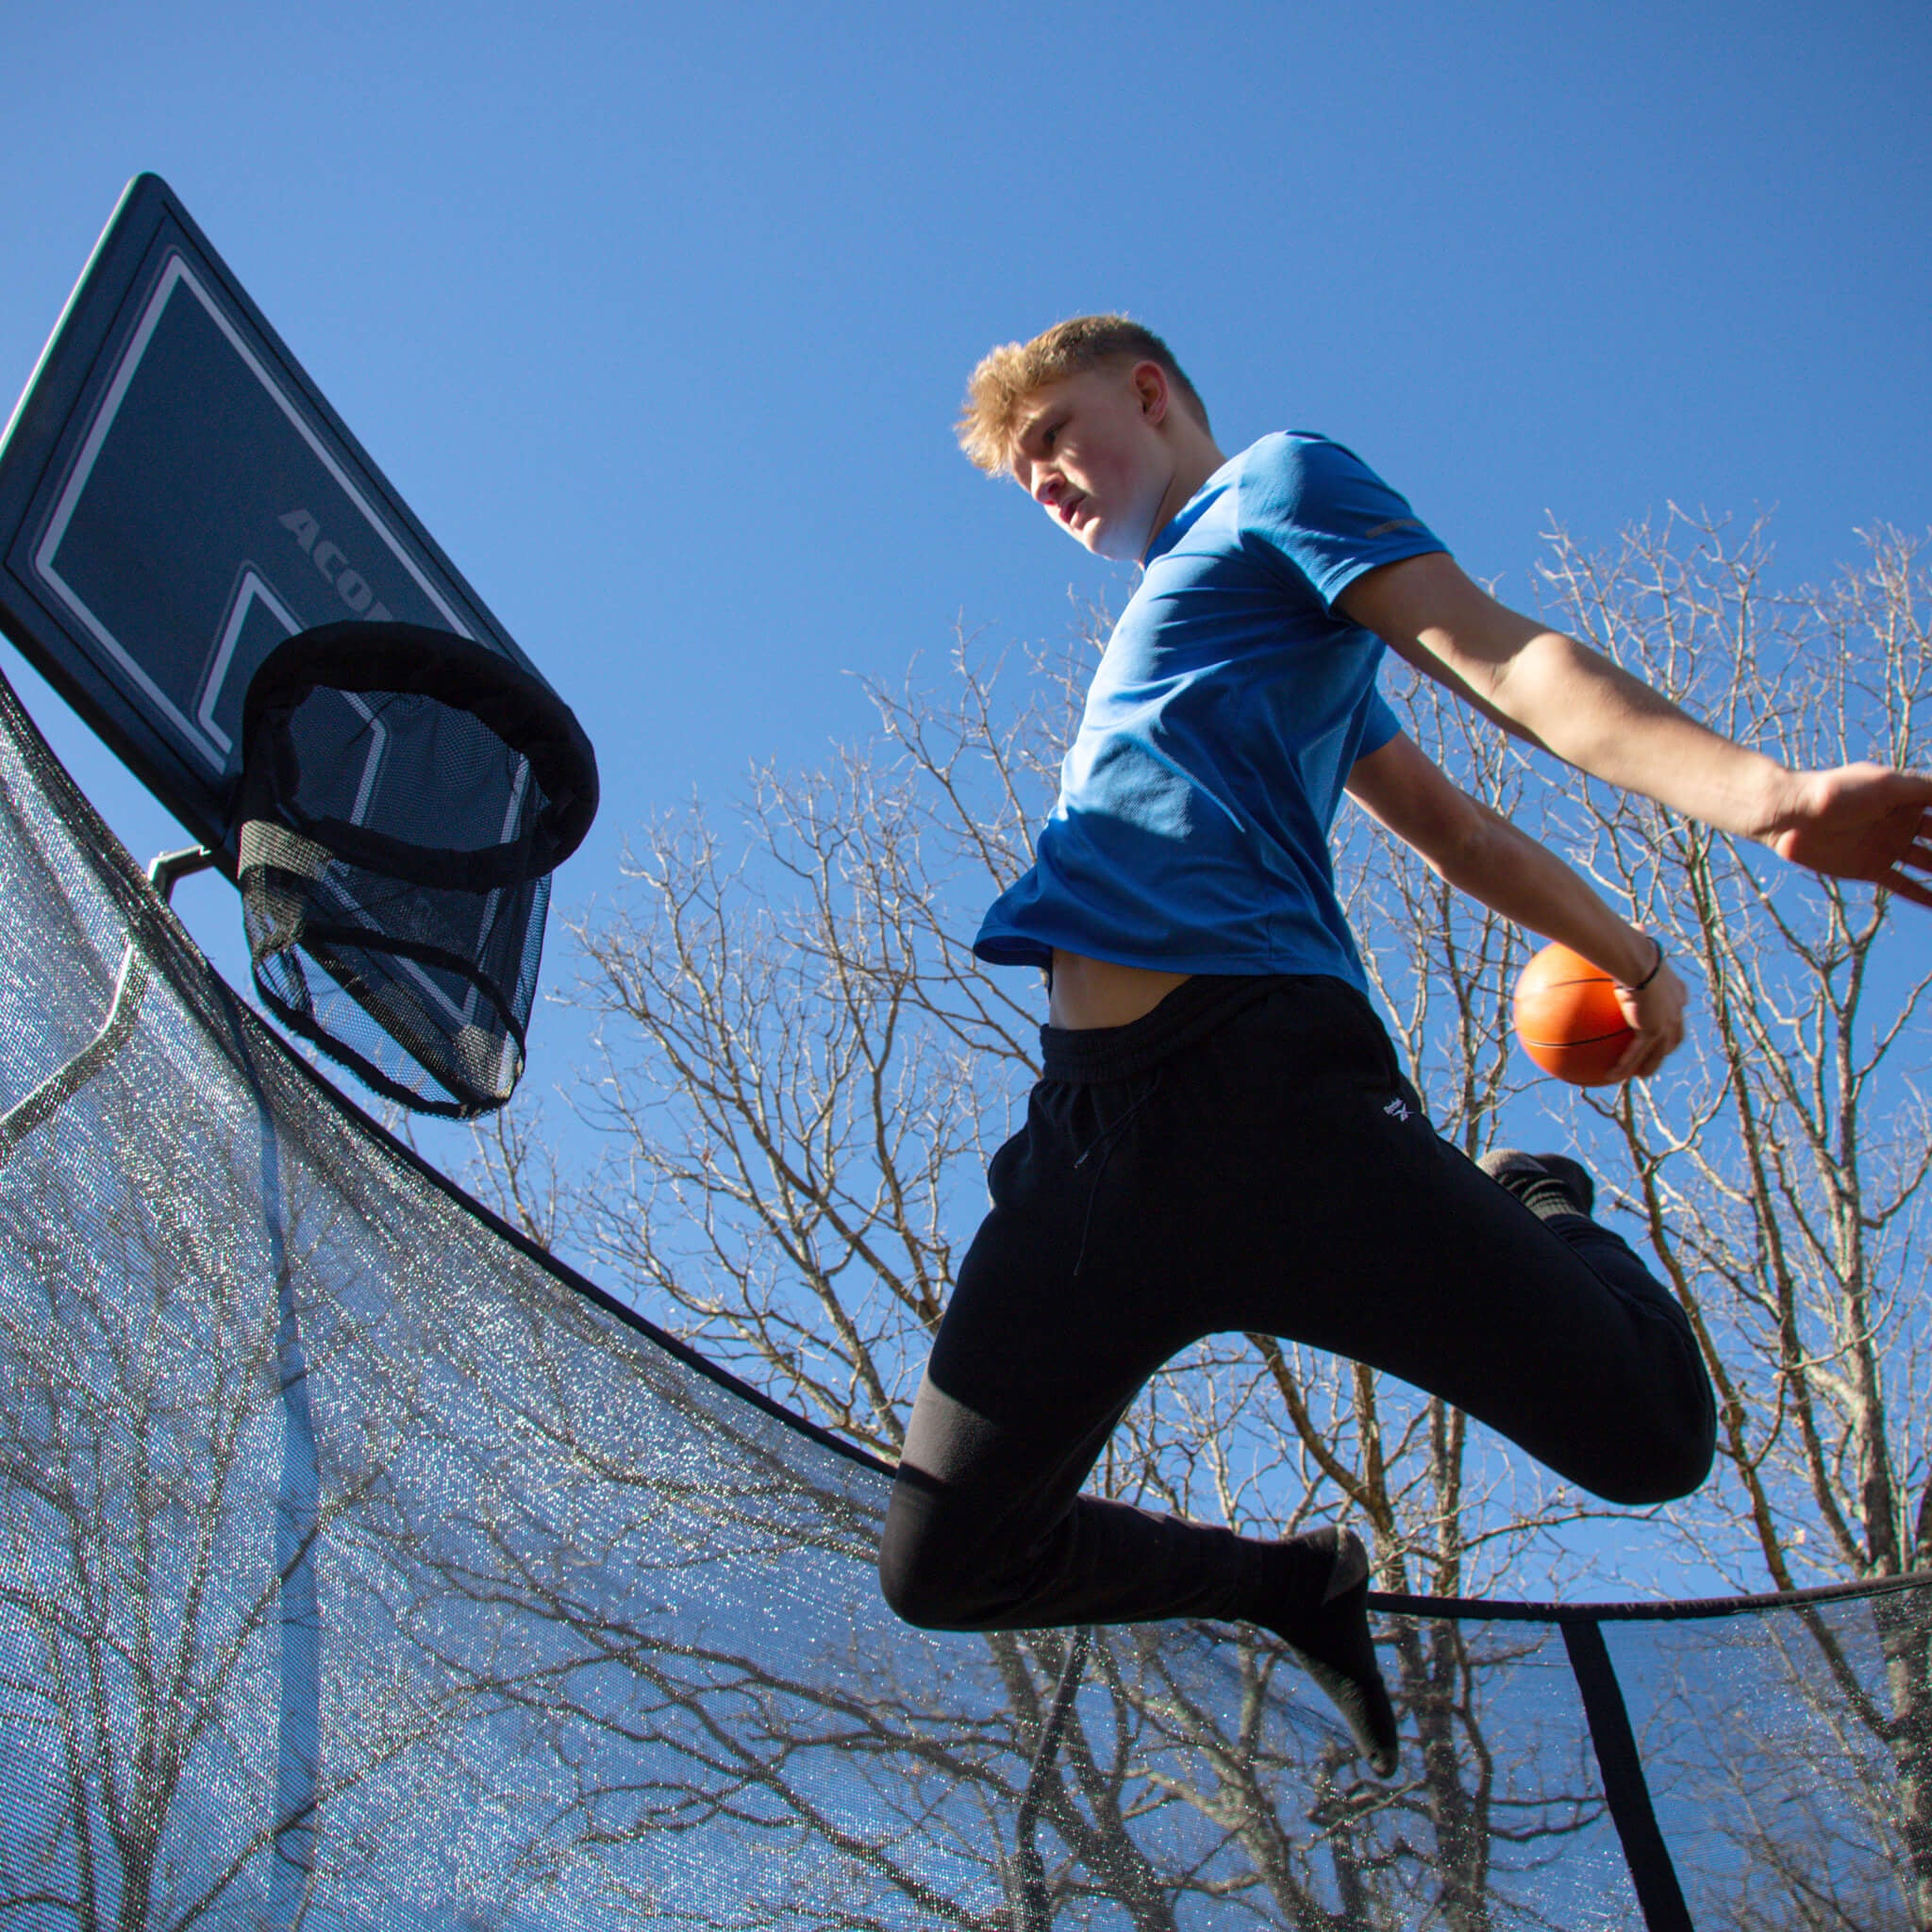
{"type": "Point", "coordinates": [176, 497]}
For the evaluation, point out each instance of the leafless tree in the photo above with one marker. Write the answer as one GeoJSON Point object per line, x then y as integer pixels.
{"type": "Point", "coordinates": [588, 1614]}
{"type": "Point", "coordinates": [730, 1733]}
{"type": "Point", "coordinates": [206, 1433]}
{"type": "Point", "coordinates": [145, 1335]}
{"type": "Point", "coordinates": [800, 1074]}
{"type": "Point", "coordinates": [1777, 1171]}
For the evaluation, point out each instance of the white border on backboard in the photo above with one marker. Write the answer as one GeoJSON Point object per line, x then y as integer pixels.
{"type": "Point", "coordinates": [177, 273]}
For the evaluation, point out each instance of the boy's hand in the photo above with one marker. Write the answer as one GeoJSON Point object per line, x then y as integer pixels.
{"type": "Point", "coordinates": [1656, 1012]}
{"type": "Point", "coordinates": [1860, 822]}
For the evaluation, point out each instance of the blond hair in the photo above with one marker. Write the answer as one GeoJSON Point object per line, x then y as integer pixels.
{"type": "Point", "coordinates": [1012, 373]}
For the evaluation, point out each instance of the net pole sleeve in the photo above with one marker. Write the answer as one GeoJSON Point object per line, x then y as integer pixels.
{"type": "Point", "coordinates": [1625, 1790]}
{"type": "Point", "coordinates": [1035, 1908]}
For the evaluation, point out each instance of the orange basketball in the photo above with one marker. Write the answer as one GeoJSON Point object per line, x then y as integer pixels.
{"type": "Point", "coordinates": [1567, 1019]}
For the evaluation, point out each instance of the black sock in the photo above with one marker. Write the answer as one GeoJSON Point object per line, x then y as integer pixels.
{"type": "Point", "coordinates": [1315, 1599]}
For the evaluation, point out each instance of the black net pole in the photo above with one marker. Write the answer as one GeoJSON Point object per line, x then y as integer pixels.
{"type": "Point", "coordinates": [1035, 1913]}
{"type": "Point", "coordinates": [1624, 1787]}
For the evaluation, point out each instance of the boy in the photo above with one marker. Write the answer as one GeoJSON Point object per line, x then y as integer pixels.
{"type": "Point", "coordinates": [1223, 1139]}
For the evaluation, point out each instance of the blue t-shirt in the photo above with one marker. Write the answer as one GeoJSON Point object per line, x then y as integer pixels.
{"type": "Point", "coordinates": [1192, 831]}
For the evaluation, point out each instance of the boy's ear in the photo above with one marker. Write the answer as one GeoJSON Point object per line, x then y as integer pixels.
{"type": "Point", "coordinates": [1151, 386]}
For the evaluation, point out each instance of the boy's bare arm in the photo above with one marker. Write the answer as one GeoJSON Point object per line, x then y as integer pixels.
{"type": "Point", "coordinates": [1479, 852]}
{"type": "Point", "coordinates": [1860, 821]}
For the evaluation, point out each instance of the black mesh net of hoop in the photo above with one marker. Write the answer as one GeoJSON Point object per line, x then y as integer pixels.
{"type": "Point", "coordinates": [406, 795]}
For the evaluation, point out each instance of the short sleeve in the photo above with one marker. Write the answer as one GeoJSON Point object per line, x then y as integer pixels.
{"type": "Point", "coordinates": [1379, 725]}
{"type": "Point", "coordinates": [1316, 507]}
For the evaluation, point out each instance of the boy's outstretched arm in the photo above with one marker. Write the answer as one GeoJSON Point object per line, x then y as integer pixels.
{"type": "Point", "coordinates": [1860, 822]}
{"type": "Point", "coordinates": [1481, 853]}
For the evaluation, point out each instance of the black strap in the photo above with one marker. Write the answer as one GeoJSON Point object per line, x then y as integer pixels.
{"type": "Point", "coordinates": [1654, 1877]}
{"type": "Point", "coordinates": [1034, 1904]}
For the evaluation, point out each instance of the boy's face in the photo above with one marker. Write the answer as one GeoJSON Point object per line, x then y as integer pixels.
{"type": "Point", "coordinates": [1088, 450]}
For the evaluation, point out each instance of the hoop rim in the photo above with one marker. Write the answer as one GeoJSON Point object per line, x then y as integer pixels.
{"type": "Point", "coordinates": [517, 705]}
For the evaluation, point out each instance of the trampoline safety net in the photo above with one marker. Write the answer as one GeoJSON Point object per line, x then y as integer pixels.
{"type": "Point", "coordinates": [361, 1568]}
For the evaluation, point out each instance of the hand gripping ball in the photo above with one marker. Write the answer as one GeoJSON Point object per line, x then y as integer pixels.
{"type": "Point", "coordinates": [1567, 1019]}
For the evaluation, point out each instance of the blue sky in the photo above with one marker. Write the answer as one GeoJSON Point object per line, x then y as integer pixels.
{"type": "Point", "coordinates": [659, 316]}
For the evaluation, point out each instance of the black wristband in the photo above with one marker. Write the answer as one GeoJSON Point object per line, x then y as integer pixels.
{"type": "Point", "coordinates": [1637, 986]}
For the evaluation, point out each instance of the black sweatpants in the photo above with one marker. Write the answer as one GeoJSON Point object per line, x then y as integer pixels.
{"type": "Point", "coordinates": [1248, 1157]}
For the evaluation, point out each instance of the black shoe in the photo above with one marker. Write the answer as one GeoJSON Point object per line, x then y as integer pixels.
{"type": "Point", "coordinates": [1327, 1629]}
{"type": "Point", "coordinates": [1544, 1173]}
